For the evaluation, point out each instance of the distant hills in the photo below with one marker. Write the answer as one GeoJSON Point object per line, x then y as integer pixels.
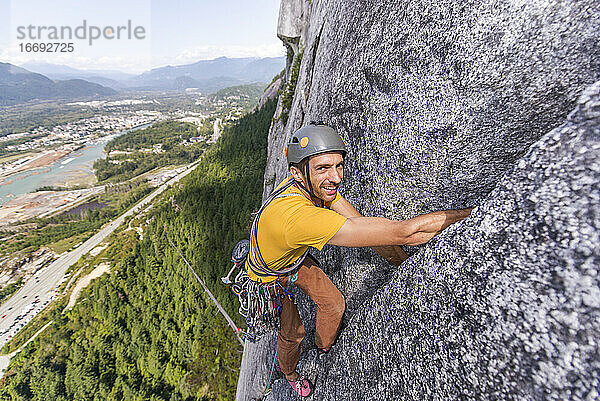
{"type": "Point", "coordinates": [45, 81]}
{"type": "Point", "coordinates": [218, 73]}
{"type": "Point", "coordinates": [18, 85]}
{"type": "Point", "coordinates": [252, 91]}
{"type": "Point", "coordinates": [207, 76]}
{"type": "Point", "coordinates": [108, 78]}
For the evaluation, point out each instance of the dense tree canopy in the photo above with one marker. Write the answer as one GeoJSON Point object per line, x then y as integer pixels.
{"type": "Point", "coordinates": [141, 157]}
{"type": "Point", "coordinates": [147, 331]}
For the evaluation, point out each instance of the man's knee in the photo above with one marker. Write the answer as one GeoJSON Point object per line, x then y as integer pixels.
{"type": "Point", "coordinates": [340, 305]}
{"type": "Point", "coordinates": [335, 304]}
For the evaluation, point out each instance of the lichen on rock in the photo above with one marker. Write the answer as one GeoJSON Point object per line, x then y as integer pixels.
{"type": "Point", "coordinates": [501, 306]}
{"type": "Point", "coordinates": [445, 105]}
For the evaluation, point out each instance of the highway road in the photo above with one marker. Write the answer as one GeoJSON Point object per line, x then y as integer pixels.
{"type": "Point", "coordinates": [40, 289]}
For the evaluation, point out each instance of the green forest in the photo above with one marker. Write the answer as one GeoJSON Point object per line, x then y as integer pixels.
{"type": "Point", "coordinates": [147, 331]}
{"type": "Point", "coordinates": [171, 135]}
{"type": "Point", "coordinates": [167, 133]}
{"type": "Point", "coordinates": [245, 96]}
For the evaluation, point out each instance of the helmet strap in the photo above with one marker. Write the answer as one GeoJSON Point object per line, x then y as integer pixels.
{"type": "Point", "coordinates": [310, 187]}
{"type": "Point", "coordinates": [307, 175]}
{"type": "Point", "coordinates": [308, 190]}
{"type": "Point", "coordinates": [301, 185]}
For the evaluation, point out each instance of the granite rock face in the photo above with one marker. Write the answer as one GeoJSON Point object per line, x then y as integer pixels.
{"type": "Point", "coordinates": [459, 89]}
{"type": "Point", "coordinates": [504, 305]}
{"type": "Point", "coordinates": [292, 23]}
{"type": "Point", "coordinates": [447, 105]}
{"type": "Point", "coordinates": [271, 92]}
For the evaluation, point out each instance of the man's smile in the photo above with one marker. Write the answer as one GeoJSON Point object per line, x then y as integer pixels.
{"type": "Point", "coordinates": [330, 189]}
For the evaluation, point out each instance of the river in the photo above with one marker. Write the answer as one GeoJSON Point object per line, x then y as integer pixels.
{"type": "Point", "coordinates": [75, 165]}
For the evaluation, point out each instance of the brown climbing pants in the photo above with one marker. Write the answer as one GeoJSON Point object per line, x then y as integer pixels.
{"type": "Point", "coordinates": [330, 308]}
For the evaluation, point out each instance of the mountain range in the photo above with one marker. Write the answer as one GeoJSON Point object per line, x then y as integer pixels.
{"type": "Point", "coordinates": [18, 85]}
{"type": "Point", "coordinates": [205, 75]}
{"type": "Point", "coordinates": [44, 81]}
{"type": "Point", "coordinates": [110, 78]}
{"type": "Point", "coordinates": [233, 71]}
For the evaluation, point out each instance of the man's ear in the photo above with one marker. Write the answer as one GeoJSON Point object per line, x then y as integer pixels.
{"type": "Point", "coordinates": [296, 174]}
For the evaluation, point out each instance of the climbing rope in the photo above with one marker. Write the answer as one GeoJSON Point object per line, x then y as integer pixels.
{"type": "Point", "coordinates": [269, 388]}
{"type": "Point", "coordinates": [212, 297]}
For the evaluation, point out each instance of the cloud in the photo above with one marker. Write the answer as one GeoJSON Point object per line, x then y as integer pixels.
{"type": "Point", "coordinates": [142, 61]}
{"type": "Point", "coordinates": [197, 53]}
{"type": "Point", "coordinates": [124, 63]}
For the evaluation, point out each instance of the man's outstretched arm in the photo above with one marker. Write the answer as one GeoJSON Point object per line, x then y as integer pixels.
{"type": "Point", "coordinates": [394, 254]}
{"type": "Point", "coordinates": [378, 231]}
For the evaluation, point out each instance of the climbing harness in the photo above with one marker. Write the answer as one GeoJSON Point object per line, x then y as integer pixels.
{"type": "Point", "coordinates": [256, 262]}
{"type": "Point", "coordinates": [260, 303]}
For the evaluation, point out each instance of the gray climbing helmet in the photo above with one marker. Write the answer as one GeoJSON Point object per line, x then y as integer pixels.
{"type": "Point", "coordinates": [312, 140]}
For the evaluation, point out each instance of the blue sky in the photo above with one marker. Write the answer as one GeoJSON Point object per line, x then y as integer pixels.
{"type": "Point", "coordinates": [175, 31]}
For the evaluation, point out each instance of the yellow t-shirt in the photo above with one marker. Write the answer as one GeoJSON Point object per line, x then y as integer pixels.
{"type": "Point", "coordinates": [291, 224]}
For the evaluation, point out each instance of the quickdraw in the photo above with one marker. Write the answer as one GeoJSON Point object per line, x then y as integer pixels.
{"type": "Point", "coordinates": [260, 303]}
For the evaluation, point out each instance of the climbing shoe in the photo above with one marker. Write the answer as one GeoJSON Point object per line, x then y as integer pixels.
{"type": "Point", "coordinates": [302, 386]}
{"type": "Point", "coordinates": [323, 351]}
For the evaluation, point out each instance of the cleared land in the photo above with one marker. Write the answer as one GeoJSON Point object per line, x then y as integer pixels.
{"type": "Point", "coordinates": [85, 281]}
{"type": "Point", "coordinates": [40, 204]}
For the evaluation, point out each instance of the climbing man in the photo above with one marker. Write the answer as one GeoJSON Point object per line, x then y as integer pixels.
{"type": "Point", "coordinates": [306, 210]}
